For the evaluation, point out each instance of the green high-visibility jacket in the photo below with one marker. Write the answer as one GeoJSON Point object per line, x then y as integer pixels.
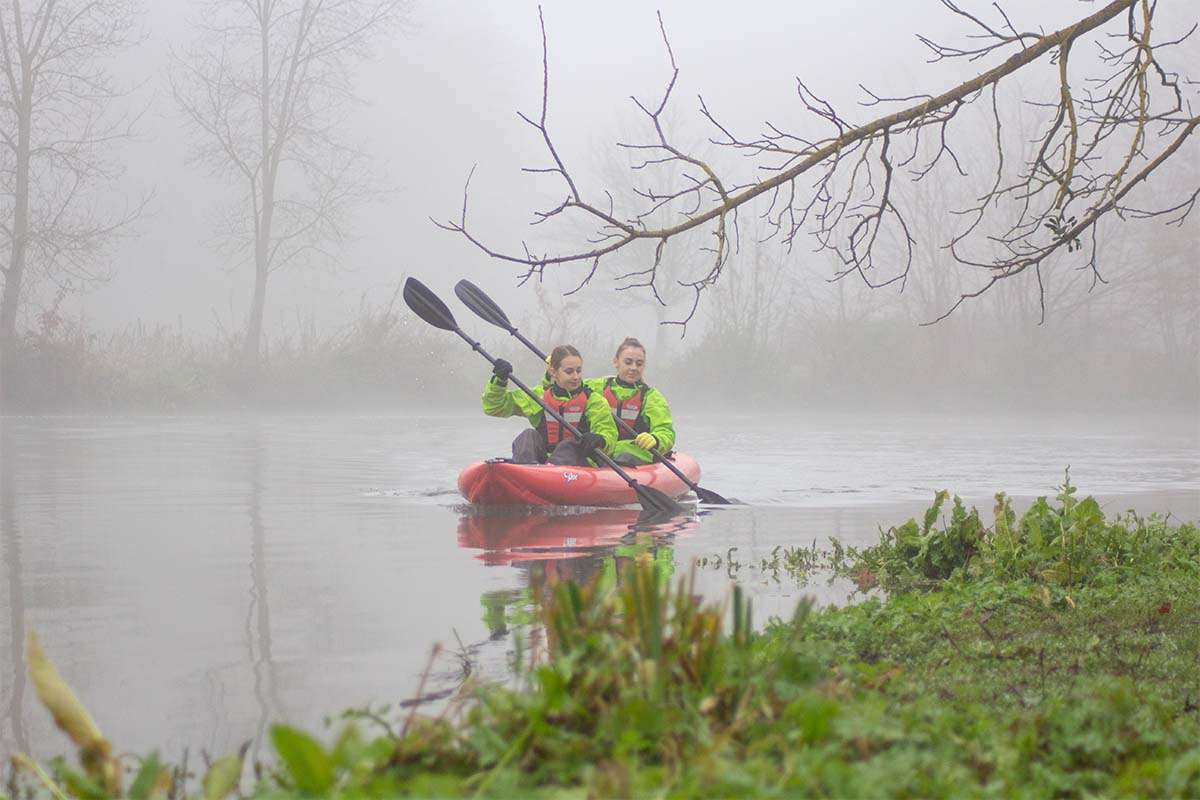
{"type": "Point", "coordinates": [655, 412]}
{"type": "Point", "coordinates": [500, 402]}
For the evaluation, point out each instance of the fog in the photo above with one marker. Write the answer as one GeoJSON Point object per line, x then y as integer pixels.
{"type": "Point", "coordinates": [238, 556]}
{"type": "Point", "coordinates": [444, 98]}
{"type": "Point", "coordinates": [439, 99]}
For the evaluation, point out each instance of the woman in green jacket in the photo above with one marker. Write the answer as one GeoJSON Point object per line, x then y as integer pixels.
{"type": "Point", "coordinates": [566, 393]}
{"type": "Point", "coordinates": [642, 407]}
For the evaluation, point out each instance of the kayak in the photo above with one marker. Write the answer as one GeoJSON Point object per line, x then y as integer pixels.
{"type": "Point", "coordinates": [496, 482]}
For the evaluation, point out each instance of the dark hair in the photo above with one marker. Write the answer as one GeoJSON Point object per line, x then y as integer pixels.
{"type": "Point", "coordinates": [559, 353]}
{"type": "Point", "coordinates": [629, 342]}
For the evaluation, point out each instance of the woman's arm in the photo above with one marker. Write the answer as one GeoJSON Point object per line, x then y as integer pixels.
{"type": "Point", "coordinates": [498, 401]}
{"type": "Point", "coordinates": [658, 417]}
{"type": "Point", "coordinates": [600, 420]}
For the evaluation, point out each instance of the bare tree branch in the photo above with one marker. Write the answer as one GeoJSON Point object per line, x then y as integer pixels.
{"type": "Point", "coordinates": [1098, 139]}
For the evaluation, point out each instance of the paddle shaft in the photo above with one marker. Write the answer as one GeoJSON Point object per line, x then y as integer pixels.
{"type": "Point", "coordinates": [600, 455]}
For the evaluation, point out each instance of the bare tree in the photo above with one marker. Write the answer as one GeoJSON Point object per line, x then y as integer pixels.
{"type": "Point", "coordinates": [1116, 114]}
{"type": "Point", "coordinates": [266, 87]}
{"type": "Point", "coordinates": [58, 132]}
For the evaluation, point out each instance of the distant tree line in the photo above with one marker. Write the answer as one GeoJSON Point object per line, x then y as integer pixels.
{"type": "Point", "coordinates": [264, 85]}
{"type": "Point", "coordinates": [936, 200]}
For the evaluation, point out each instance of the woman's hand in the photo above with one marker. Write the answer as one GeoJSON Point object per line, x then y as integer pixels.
{"type": "Point", "coordinates": [591, 442]}
{"type": "Point", "coordinates": [646, 441]}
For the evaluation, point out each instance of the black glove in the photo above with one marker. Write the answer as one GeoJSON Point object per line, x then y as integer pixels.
{"type": "Point", "coordinates": [591, 442]}
{"type": "Point", "coordinates": [501, 369]}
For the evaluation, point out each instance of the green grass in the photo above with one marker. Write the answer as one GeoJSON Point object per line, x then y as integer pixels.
{"type": "Point", "coordinates": [1052, 655]}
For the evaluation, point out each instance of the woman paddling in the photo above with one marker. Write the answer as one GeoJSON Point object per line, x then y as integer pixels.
{"type": "Point", "coordinates": [642, 407]}
{"type": "Point", "coordinates": [566, 393]}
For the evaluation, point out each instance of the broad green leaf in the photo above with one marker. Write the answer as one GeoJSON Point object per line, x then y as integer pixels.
{"type": "Point", "coordinates": [931, 513]}
{"type": "Point", "coordinates": [308, 765]}
{"type": "Point", "coordinates": [80, 785]}
{"type": "Point", "coordinates": [223, 777]}
{"type": "Point", "coordinates": [147, 777]}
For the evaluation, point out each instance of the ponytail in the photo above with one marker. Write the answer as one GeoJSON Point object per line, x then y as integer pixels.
{"type": "Point", "coordinates": [629, 342]}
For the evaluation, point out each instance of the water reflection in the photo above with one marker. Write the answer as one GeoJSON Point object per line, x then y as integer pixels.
{"type": "Point", "coordinates": [258, 640]}
{"type": "Point", "coordinates": [10, 555]}
{"type": "Point", "coordinates": [193, 577]}
{"type": "Point", "coordinates": [513, 535]}
{"type": "Point", "coordinates": [556, 543]}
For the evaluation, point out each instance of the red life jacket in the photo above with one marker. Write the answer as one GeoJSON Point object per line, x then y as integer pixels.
{"type": "Point", "coordinates": [572, 409]}
{"type": "Point", "coordinates": [629, 410]}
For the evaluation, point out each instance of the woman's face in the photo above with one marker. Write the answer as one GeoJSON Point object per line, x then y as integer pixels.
{"type": "Point", "coordinates": [569, 374]}
{"type": "Point", "coordinates": [630, 364]}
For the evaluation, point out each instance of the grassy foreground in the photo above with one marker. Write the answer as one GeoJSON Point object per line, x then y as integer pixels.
{"type": "Point", "coordinates": [1052, 654]}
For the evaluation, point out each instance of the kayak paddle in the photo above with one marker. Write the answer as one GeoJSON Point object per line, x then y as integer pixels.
{"type": "Point", "coordinates": [475, 299]}
{"type": "Point", "coordinates": [430, 308]}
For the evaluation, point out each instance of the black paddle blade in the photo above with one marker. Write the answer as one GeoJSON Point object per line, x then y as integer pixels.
{"type": "Point", "coordinates": [428, 306]}
{"type": "Point", "coordinates": [656, 521]}
{"type": "Point", "coordinates": [711, 498]}
{"type": "Point", "coordinates": [474, 298]}
{"type": "Point", "coordinates": [655, 501]}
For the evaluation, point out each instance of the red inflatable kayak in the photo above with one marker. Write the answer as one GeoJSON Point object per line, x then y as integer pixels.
{"type": "Point", "coordinates": [494, 483]}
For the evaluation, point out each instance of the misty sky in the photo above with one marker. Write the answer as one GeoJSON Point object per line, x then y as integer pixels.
{"type": "Point", "coordinates": [444, 97]}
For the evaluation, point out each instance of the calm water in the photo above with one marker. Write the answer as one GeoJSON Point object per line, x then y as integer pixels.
{"type": "Point", "coordinates": [194, 578]}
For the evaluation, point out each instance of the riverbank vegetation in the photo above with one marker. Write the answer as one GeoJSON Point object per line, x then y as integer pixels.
{"type": "Point", "coordinates": [792, 340]}
{"type": "Point", "coordinates": [383, 354]}
{"type": "Point", "coordinates": [1052, 653]}
{"type": "Point", "coordinates": [870, 355]}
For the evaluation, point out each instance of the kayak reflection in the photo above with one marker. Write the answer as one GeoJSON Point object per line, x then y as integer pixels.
{"type": "Point", "coordinates": [554, 544]}
{"type": "Point", "coordinates": [508, 535]}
